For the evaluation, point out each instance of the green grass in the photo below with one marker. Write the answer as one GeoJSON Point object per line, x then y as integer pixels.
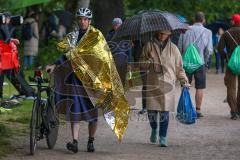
{"type": "Point", "coordinates": [14, 123]}
{"type": "Point", "coordinates": [5, 134]}
{"type": "Point", "coordinates": [21, 114]}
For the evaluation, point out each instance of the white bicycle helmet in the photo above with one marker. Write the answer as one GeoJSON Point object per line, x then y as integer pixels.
{"type": "Point", "coordinates": [84, 12]}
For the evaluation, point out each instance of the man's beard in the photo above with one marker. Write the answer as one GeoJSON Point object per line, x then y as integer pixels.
{"type": "Point", "coordinates": [83, 28]}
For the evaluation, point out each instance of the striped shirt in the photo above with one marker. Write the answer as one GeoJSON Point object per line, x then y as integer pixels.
{"type": "Point", "coordinates": [201, 37]}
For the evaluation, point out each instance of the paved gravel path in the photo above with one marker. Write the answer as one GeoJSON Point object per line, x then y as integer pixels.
{"type": "Point", "coordinates": [214, 137]}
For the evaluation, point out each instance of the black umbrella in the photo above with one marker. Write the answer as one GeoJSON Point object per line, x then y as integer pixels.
{"type": "Point", "coordinates": [65, 17]}
{"type": "Point", "coordinates": [214, 27]}
{"type": "Point", "coordinates": [142, 26]}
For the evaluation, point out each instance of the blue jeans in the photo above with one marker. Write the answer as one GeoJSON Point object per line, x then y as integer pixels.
{"type": "Point", "coordinates": [162, 119]}
{"type": "Point", "coordinates": [219, 61]}
{"type": "Point", "coordinates": [28, 61]}
{"type": "Point", "coordinates": [209, 62]}
{"type": "Point", "coordinates": [144, 88]}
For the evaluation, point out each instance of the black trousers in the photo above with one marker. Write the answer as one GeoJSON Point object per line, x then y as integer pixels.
{"type": "Point", "coordinates": [12, 77]}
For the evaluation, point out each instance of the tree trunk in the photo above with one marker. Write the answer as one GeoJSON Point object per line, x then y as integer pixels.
{"type": "Point", "coordinates": [83, 3]}
{"type": "Point", "coordinates": [73, 5]}
{"type": "Point", "coordinates": [105, 11]}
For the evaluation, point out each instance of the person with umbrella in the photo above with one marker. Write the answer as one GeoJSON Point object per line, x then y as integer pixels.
{"type": "Point", "coordinates": [140, 29]}
{"type": "Point", "coordinates": [163, 64]}
{"type": "Point", "coordinates": [161, 60]}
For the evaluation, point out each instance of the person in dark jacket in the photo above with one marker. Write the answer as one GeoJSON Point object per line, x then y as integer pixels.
{"type": "Point", "coordinates": [231, 39]}
{"type": "Point", "coordinates": [121, 50]}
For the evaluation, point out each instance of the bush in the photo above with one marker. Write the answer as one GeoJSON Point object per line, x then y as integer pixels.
{"type": "Point", "coordinates": [47, 54]}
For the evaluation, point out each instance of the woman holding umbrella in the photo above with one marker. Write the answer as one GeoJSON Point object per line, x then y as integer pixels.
{"type": "Point", "coordinates": [160, 60]}
{"type": "Point", "coordinates": [163, 63]}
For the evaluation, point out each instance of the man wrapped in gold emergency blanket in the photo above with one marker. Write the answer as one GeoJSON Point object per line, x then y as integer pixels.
{"type": "Point", "coordinates": [93, 64]}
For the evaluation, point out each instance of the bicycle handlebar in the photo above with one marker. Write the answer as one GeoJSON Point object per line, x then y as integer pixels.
{"type": "Point", "coordinates": [38, 80]}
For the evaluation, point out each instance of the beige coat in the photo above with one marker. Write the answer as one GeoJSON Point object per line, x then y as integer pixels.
{"type": "Point", "coordinates": [163, 69]}
{"type": "Point", "coordinates": [31, 46]}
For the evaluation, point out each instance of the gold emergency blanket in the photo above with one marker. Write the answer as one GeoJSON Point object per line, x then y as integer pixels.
{"type": "Point", "coordinates": [93, 64]}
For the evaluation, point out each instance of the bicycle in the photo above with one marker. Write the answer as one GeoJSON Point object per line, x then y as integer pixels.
{"type": "Point", "coordinates": [44, 120]}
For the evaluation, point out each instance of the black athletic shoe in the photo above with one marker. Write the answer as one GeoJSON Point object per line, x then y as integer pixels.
{"type": "Point", "coordinates": [234, 115]}
{"type": "Point", "coordinates": [73, 146]}
{"type": "Point", "coordinates": [90, 146]}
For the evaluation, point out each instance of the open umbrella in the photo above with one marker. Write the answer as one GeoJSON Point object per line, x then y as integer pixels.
{"type": "Point", "coordinates": [142, 26]}
{"type": "Point", "coordinates": [216, 25]}
{"type": "Point", "coordinates": [181, 18]}
{"type": "Point", "coordinates": [65, 17]}
{"type": "Point", "coordinates": [24, 3]}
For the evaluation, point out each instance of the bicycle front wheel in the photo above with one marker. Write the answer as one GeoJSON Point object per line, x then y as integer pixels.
{"type": "Point", "coordinates": [53, 124]}
{"type": "Point", "coordinates": [33, 127]}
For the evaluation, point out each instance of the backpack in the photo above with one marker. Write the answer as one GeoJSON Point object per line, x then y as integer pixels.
{"type": "Point", "coordinates": [234, 61]}
{"type": "Point", "coordinates": [191, 58]}
{"type": "Point", "coordinates": [27, 31]}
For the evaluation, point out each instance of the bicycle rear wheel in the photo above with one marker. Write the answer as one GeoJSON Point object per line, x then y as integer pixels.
{"type": "Point", "coordinates": [53, 124]}
{"type": "Point", "coordinates": [33, 127]}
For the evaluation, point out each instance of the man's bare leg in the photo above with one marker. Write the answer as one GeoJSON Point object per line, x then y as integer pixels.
{"type": "Point", "coordinates": [198, 100]}
{"type": "Point", "coordinates": [73, 146]}
{"type": "Point", "coordinates": [92, 127]}
{"type": "Point", "coordinates": [75, 127]}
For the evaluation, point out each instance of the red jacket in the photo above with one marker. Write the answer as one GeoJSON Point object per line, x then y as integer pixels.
{"type": "Point", "coordinates": [8, 56]}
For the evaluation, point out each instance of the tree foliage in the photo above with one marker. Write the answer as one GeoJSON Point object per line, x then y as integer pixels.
{"type": "Point", "coordinates": [105, 10]}
{"type": "Point", "coordinates": [214, 9]}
